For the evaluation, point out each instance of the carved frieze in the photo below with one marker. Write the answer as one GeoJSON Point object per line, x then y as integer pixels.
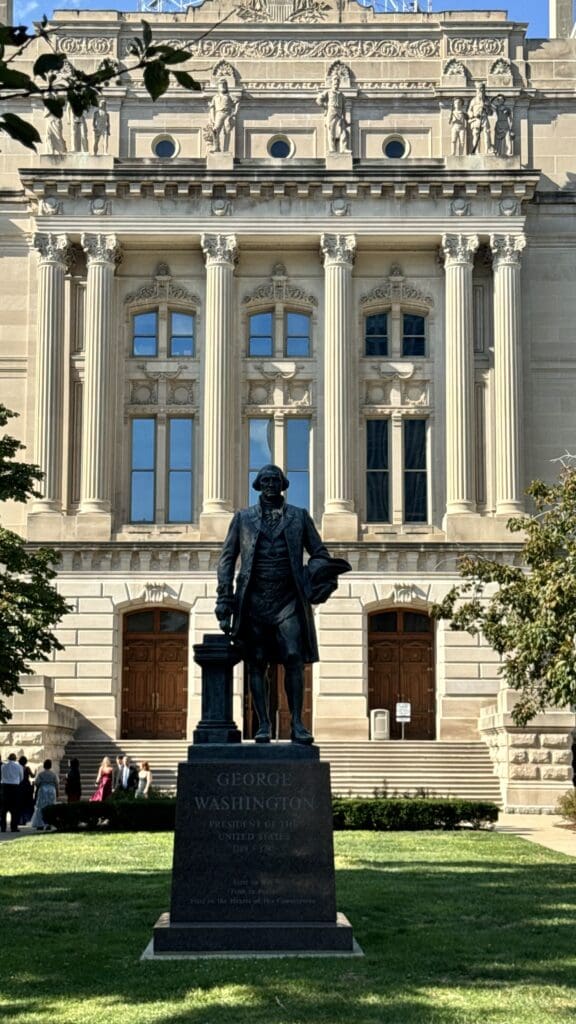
{"type": "Point", "coordinates": [279, 11]}
{"type": "Point", "coordinates": [476, 47]}
{"type": "Point", "coordinates": [291, 49]}
{"type": "Point", "coordinates": [279, 289]}
{"type": "Point", "coordinates": [86, 46]}
{"type": "Point", "coordinates": [50, 206]}
{"type": "Point", "coordinates": [396, 289]}
{"type": "Point", "coordinates": [162, 286]}
{"type": "Point", "coordinates": [173, 373]}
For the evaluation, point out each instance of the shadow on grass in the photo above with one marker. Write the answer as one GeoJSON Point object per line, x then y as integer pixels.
{"type": "Point", "coordinates": [443, 942]}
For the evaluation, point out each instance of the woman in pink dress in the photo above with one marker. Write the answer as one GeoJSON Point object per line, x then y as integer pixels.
{"type": "Point", "coordinates": [103, 781]}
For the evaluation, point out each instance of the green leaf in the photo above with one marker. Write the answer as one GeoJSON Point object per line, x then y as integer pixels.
{"type": "Point", "coordinates": [48, 62]}
{"type": "Point", "coordinates": [54, 105]}
{"type": "Point", "coordinates": [146, 33]}
{"type": "Point", "coordinates": [172, 56]}
{"type": "Point", "coordinates": [19, 130]}
{"type": "Point", "coordinates": [186, 80]}
{"type": "Point", "coordinates": [10, 79]}
{"type": "Point", "coordinates": [156, 79]}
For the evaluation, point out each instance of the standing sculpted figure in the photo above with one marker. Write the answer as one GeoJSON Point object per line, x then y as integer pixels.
{"type": "Point", "coordinates": [55, 136]}
{"type": "Point", "coordinates": [101, 127]}
{"type": "Point", "coordinates": [503, 127]}
{"type": "Point", "coordinates": [271, 612]}
{"type": "Point", "coordinates": [223, 110]}
{"type": "Point", "coordinates": [459, 128]}
{"type": "Point", "coordinates": [337, 126]}
{"type": "Point", "coordinates": [79, 134]}
{"type": "Point", "coordinates": [479, 120]}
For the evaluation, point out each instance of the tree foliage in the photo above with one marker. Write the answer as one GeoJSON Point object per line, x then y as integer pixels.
{"type": "Point", "coordinates": [531, 618]}
{"type": "Point", "coordinates": [29, 604]}
{"type": "Point", "coordinates": [55, 81]}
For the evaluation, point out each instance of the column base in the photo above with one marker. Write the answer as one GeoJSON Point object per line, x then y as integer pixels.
{"type": "Point", "coordinates": [338, 526]}
{"type": "Point", "coordinates": [214, 525]}
{"type": "Point", "coordinates": [46, 525]}
{"type": "Point", "coordinates": [94, 526]}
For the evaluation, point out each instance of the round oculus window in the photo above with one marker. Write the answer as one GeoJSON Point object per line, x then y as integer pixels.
{"type": "Point", "coordinates": [395, 149]}
{"type": "Point", "coordinates": [164, 148]}
{"type": "Point", "coordinates": [280, 148]}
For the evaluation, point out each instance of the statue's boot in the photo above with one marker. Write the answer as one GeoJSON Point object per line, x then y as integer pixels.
{"type": "Point", "coordinates": [295, 693]}
{"type": "Point", "coordinates": [259, 693]}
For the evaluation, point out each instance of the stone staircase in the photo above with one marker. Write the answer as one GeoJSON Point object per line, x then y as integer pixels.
{"type": "Point", "coordinates": [357, 769]}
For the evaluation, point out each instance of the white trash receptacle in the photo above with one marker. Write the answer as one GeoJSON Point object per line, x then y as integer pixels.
{"type": "Point", "coordinates": [379, 724]}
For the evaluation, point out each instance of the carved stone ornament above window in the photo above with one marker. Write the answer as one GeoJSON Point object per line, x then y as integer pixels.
{"type": "Point", "coordinates": [341, 71]}
{"type": "Point", "coordinates": [280, 11]}
{"type": "Point", "coordinates": [279, 289]}
{"type": "Point", "coordinates": [162, 286]}
{"type": "Point", "coordinates": [396, 289]}
{"type": "Point", "coordinates": [223, 69]}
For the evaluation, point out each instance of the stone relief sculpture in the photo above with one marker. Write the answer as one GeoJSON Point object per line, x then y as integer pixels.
{"type": "Point", "coordinates": [458, 128]}
{"type": "Point", "coordinates": [503, 127]}
{"type": "Point", "coordinates": [223, 110]}
{"type": "Point", "coordinates": [79, 132]}
{"type": "Point", "coordinates": [337, 125]}
{"type": "Point", "coordinates": [101, 127]}
{"type": "Point", "coordinates": [54, 140]}
{"type": "Point", "coordinates": [479, 112]}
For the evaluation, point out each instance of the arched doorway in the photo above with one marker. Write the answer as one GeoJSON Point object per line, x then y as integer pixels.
{"type": "Point", "coordinates": [401, 668]}
{"type": "Point", "coordinates": [155, 674]}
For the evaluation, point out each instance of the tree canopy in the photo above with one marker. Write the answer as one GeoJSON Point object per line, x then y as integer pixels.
{"type": "Point", "coordinates": [29, 603]}
{"type": "Point", "coordinates": [55, 81]}
{"type": "Point", "coordinates": [530, 620]}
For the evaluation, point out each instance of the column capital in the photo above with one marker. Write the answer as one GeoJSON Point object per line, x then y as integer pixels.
{"type": "Point", "coordinates": [459, 250]}
{"type": "Point", "coordinates": [219, 249]}
{"type": "Point", "coordinates": [507, 249]}
{"type": "Point", "coordinates": [102, 249]}
{"type": "Point", "coordinates": [54, 249]}
{"type": "Point", "coordinates": [338, 249]}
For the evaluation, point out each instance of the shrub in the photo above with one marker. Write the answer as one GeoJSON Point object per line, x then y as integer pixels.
{"type": "Point", "coordinates": [566, 806]}
{"type": "Point", "coordinates": [374, 814]}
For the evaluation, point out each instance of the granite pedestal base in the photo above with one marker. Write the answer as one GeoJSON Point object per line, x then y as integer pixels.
{"type": "Point", "coordinates": [253, 866]}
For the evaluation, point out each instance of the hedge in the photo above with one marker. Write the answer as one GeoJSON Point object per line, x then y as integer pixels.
{"type": "Point", "coordinates": [377, 814]}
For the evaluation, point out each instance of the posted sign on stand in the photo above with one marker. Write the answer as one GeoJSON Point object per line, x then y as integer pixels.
{"type": "Point", "coordinates": [403, 714]}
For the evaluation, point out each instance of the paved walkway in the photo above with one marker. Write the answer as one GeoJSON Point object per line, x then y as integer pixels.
{"type": "Point", "coordinates": [549, 830]}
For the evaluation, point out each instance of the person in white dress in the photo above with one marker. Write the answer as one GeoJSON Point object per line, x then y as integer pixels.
{"type": "Point", "coordinates": [46, 787]}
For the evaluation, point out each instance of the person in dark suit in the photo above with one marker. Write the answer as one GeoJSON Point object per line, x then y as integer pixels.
{"type": "Point", "coordinates": [127, 776]}
{"type": "Point", "coordinates": [271, 612]}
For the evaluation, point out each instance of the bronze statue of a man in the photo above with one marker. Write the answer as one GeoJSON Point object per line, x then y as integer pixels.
{"type": "Point", "coordinates": [271, 612]}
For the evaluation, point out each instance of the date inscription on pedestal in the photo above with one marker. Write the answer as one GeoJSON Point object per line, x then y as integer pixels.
{"type": "Point", "coordinates": [253, 843]}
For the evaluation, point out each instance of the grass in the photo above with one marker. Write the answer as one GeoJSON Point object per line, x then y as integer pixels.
{"type": "Point", "coordinates": [457, 929]}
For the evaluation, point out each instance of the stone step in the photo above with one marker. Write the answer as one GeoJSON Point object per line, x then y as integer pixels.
{"type": "Point", "coordinates": [357, 769]}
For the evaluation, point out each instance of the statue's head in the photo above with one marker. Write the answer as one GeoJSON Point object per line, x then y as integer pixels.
{"type": "Point", "coordinates": [271, 481]}
{"type": "Point", "coordinates": [458, 104]}
{"type": "Point", "coordinates": [223, 85]}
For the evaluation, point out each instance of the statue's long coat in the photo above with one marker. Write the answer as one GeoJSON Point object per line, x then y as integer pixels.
{"type": "Point", "coordinates": [241, 540]}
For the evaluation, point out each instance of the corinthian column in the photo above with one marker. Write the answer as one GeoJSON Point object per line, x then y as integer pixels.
{"type": "Point", "coordinates": [55, 256]}
{"type": "Point", "coordinates": [103, 255]}
{"type": "Point", "coordinates": [507, 250]}
{"type": "Point", "coordinates": [220, 252]}
{"type": "Point", "coordinates": [340, 521]}
{"type": "Point", "coordinates": [459, 261]}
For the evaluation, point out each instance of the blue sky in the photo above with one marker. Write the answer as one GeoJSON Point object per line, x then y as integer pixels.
{"type": "Point", "coordinates": [533, 11]}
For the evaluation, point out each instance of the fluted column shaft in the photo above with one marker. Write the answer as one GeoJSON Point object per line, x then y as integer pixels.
{"type": "Point", "coordinates": [103, 255]}
{"type": "Point", "coordinates": [507, 250]}
{"type": "Point", "coordinates": [55, 254]}
{"type": "Point", "coordinates": [338, 252]}
{"type": "Point", "coordinates": [220, 252]}
{"type": "Point", "coordinates": [459, 261]}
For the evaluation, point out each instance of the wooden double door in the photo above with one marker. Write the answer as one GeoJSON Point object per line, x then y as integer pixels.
{"type": "Point", "coordinates": [401, 669]}
{"type": "Point", "coordinates": [154, 675]}
{"type": "Point", "coordinates": [278, 704]}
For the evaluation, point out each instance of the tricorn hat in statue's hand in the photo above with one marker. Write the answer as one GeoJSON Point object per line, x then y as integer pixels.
{"type": "Point", "coordinates": [321, 577]}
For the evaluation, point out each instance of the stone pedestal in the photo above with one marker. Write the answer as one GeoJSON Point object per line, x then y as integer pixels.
{"type": "Point", "coordinates": [219, 162]}
{"type": "Point", "coordinates": [253, 863]}
{"type": "Point", "coordinates": [339, 161]}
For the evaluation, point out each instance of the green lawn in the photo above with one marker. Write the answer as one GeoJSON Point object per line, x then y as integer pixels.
{"type": "Point", "coordinates": [457, 928]}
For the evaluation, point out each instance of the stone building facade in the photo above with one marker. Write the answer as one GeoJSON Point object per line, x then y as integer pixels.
{"type": "Point", "coordinates": [352, 254]}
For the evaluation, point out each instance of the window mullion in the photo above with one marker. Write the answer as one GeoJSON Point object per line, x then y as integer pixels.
{"type": "Point", "coordinates": [161, 475]}
{"type": "Point", "coordinates": [397, 459]}
{"type": "Point", "coordinates": [395, 331]}
{"type": "Point", "coordinates": [279, 329]}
